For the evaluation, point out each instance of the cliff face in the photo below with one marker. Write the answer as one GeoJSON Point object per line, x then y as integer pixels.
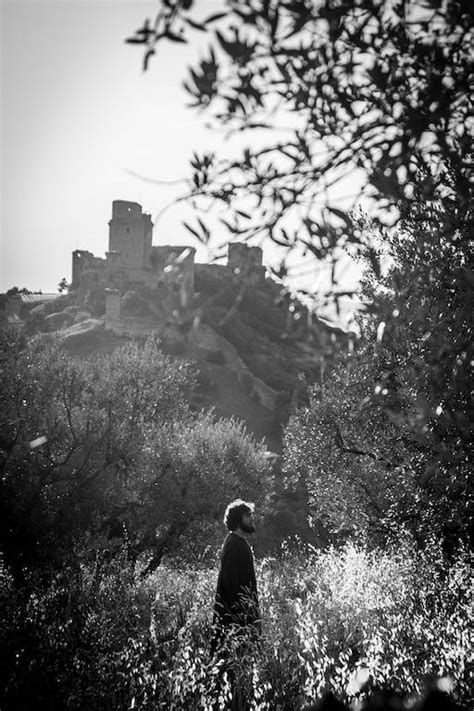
{"type": "Point", "coordinates": [255, 349]}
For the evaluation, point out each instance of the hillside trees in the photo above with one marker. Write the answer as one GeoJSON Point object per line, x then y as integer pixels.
{"type": "Point", "coordinates": [101, 453]}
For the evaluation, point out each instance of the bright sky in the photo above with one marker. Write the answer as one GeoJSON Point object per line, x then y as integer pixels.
{"type": "Point", "coordinates": [78, 114]}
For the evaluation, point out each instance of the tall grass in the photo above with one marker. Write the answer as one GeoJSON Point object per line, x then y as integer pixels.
{"type": "Point", "coordinates": [330, 619]}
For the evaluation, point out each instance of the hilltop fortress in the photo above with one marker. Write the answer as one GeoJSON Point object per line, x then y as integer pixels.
{"type": "Point", "coordinates": [254, 346]}
{"type": "Point", "coordinates": [170, 270]}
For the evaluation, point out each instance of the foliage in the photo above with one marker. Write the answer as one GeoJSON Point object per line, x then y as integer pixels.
{"type": "Point", "coordinates": [15, 290]}
{"type": "Point", "coordinates": [339, 449]}
{"type": "Point", "coordinates": [329, 618]}
{"type": "Point", "coordinates": [104, 451]}
{"type": "Point", "coordinates": [63, 285]}
{"type": "Point", "coordinates": [376, 92]}
{"type": "Point", "coordinates": [370, 90]}
{"type": "Point", "coordinates": [385, 441]}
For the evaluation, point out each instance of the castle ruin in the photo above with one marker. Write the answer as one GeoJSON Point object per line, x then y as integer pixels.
{"type": "Point", "coordinates": [133, 260]}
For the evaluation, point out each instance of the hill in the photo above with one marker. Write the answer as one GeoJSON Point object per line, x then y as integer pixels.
{"type": "Point", "coordinates": [254, 346]}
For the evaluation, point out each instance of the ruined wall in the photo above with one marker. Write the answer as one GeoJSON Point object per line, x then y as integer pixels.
{"type": "Point", "coordinates": [112, 305]}
{"type": "Point", "coordinates": [84, 261]}
{"type": "Point", "coordinates": [115, 270]}
{"type": "Point", "coordinates": [132, 259]}
{"type": "Point", "coordinates": [221, 271]}
{"type": "Point", "coordinates": [91, 278]}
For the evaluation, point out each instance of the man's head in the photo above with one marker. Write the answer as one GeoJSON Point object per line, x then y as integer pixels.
{"type": "Point", "coordinates": [238, 515]}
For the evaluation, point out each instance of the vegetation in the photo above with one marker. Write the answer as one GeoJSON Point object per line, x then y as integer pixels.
{"type": "Point", "coordinates": [363, 96]}
{"type": "Point", "coordinates": [99, 452]}
{"type": "Point", "coordinates": [15, 290]}
{"type": "Point", "coordinates": [63, 285]}
{"type": "Point", "coordinates": [376, 91]}
{"type": "Point", "coordinates": [112, 493]}
{"type": "Point", "coordinates": [385, 441]}
{"type": "Point", "coordinates": [345, 620]}
{"type": "Point", "coordinates": [113, 483]}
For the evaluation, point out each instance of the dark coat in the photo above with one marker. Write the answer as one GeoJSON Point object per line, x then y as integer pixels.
{"type": "Point", "coordinates": [236, 594]}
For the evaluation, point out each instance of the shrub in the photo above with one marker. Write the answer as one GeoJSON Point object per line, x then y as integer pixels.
{"type": "Point", "coordinates": [104, 639]}
{"type": "Point", "coordinates": [117, 454]}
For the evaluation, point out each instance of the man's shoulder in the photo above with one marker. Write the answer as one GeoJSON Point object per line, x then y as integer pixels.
{"type": "Point", "coordinates": [233, 542]}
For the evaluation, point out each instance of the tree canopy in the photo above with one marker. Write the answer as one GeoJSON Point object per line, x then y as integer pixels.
{"type": "Point", "coordinates": [371, 92]}
{"type": "Point", "coordinates": [106, 452]}
{"type": "Point", "coordinates": [385, 441]}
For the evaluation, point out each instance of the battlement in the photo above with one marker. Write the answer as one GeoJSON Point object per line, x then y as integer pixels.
{"type": "Point", "coordinates": [125, 208]}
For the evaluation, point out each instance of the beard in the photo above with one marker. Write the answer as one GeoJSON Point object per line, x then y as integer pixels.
{"type": "Point", "coordinates": [247, 528]}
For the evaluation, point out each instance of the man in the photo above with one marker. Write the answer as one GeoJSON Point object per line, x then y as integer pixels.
{"type": "Point", "coordinates": [236, 596]}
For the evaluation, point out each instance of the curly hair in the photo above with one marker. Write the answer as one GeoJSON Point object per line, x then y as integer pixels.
{"type": "Point", "coordinates": [234, 512]}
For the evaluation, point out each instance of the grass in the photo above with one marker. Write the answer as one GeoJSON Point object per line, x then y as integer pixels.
{"type": "Point", "coordinates": [345, 620]}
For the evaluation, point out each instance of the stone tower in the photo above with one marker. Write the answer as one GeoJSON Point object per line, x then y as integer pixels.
{"type": "Point", "coordinates": [130, 234]}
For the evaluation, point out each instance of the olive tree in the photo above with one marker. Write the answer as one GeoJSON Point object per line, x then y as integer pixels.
{"type": "Point", "coordinates": [370, 94]}
{"type": "Point", "coordinates": [106, 453]}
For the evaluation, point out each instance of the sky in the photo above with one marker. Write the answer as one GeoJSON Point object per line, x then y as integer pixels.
{"type": "Point", "coordinates": [79, 120]}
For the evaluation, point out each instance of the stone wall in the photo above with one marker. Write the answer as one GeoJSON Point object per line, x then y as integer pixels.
{"type": "Point", "coordinates": [213, 270]}
{"type": "Point", "coordinates": [245, 262]}
{"type": "Point", "coordinates": [112, 306]}
{"type": "Point", "coordinates": [130, 233]}
{"type": "Point", "coordinates": [84, 261]}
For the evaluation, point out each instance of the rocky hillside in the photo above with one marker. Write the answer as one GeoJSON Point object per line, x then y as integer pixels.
{"type": "Point", "coordinates": [255, 348]}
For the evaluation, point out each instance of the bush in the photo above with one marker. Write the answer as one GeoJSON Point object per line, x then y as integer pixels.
{"type": "Point", "coordinates": [101, 638]}
{"type": "Point", "coordinates": [108, 449]}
